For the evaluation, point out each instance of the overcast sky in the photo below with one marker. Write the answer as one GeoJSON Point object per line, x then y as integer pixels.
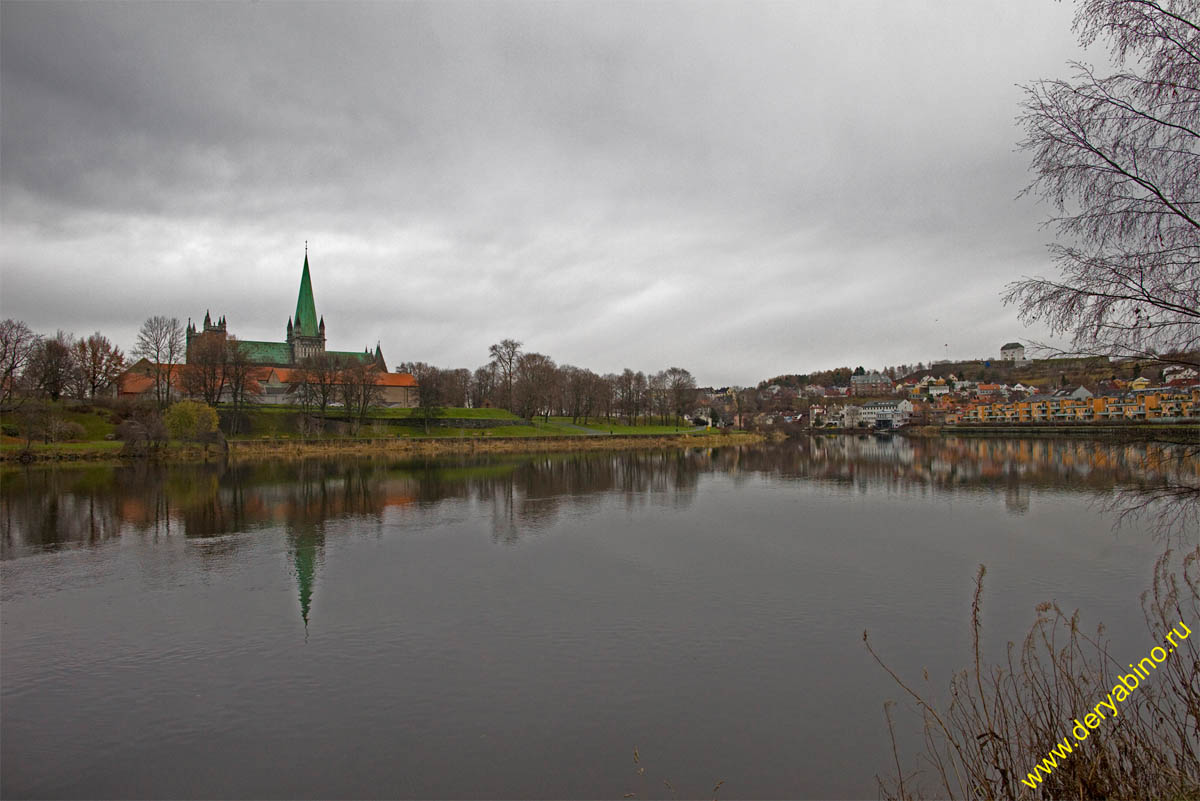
{"type": "Point", "coordinates": [739, 189]}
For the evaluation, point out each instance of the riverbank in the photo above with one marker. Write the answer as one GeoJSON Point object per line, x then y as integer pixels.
{"type": "Point", "coordinates": [439, 446]}
{"type": "Point", "coordinates": [239, 450]}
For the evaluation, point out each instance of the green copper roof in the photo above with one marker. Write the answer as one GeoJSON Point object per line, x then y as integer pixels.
{"type": "Point", "coordinates": [351, 354]}
{"type": "Point", "coordinates": [267, 352]}
{"type": "Point", "coordinates": [306, 308]}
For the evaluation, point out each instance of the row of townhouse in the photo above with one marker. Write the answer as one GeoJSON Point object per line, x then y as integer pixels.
{"type": "Point", "coordinates": [1151, 404]}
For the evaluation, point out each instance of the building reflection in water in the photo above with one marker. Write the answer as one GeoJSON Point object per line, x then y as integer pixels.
{"type": "Point", "coordinates": [54, 508]}
{"type": "Point", "coordinates": [308, 550]}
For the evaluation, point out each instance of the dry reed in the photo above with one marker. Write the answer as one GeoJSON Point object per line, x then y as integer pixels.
{"type": "Point", "coordinates": [1002, 719]}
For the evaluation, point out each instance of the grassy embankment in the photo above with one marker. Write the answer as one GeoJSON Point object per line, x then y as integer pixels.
{"type": "Point", "coordinates": [279, 422]}
{"type": "Point", "coordinates": [556, 434]}
{"type": "Point", "coordinates": [436, 446]}
{"type": "Point", "coordinates": [273, 432]}
{"type": "Point", "coordinates": [97, 427]}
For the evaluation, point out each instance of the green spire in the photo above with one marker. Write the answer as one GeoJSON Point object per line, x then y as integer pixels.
{"type": "Point", "coordinates": [306, 308]}
{"type": "Point", "coordinates": [305, 556]}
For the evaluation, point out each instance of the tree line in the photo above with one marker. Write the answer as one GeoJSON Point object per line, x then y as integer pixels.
{"type": "Point", "coordinates": [54, 367]}
{"type": "Point", "coordinates": [532, 384]}
{"type": "Point", "coordinates": [219, 369]}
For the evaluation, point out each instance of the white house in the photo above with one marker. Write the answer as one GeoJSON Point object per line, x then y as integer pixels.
{"type": "Point", "coordinates": [893, 412]}
{"type": "Point", "coordinates": [1078, 393]}
{"type": "Point", "coordinates": [1012, 352]}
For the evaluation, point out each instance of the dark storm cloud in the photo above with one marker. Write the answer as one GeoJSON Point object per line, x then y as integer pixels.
{"type": "Point", "coordinates": [743, 189]}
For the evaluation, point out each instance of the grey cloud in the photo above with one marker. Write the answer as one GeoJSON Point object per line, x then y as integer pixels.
{"type": "Point", "coordinates": [721, 186]}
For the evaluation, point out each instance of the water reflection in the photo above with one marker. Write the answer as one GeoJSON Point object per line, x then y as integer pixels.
{"type": "Point", "coordinates": [48, 508]}
{"type": "Point", "coordinates": [308, 550]}
{"type": "Point", "coordinates": [468, 615]}
{"type": "Point", "coordinates": [873, 464]}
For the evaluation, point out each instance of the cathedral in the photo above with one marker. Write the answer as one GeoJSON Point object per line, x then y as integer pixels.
{"type": "Point", "coordinates": [305, 335]}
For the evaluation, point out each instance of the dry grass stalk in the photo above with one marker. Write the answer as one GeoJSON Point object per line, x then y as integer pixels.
{"type": "Point", "coordinates": [1002, 719]}
{"type": "Point", "coordinates": [642, 780]}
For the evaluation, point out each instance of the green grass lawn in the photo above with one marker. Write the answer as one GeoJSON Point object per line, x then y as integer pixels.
{"type": "Point", "coordinates": [97, 426]}
{"type": "Point", "coordinates": [466, 414]}
{"type": "Point", "coordinates": [538, 429]}
{"type": "Point", "coordinates": [386, 413]}
{"type": "Point", "coordinates": [556, 425]}
{"type": "Point", "coordinates": [619, 428]}
{"type": "Point", "coordinates": [10, 446]}
{"type": "Point", "coordinates": [96, 423]}
{"type": "Point", "coordinates": [440, 432]}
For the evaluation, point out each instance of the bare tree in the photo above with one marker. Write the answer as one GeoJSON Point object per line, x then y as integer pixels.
{"type": "Point", "coordinates": [681, 390]}
{"type": "Point", "coordinates": [505, 355]}
{"type": "Point", "coordinates": [625, 396]}
{"type": "Point", "coordinates": [317, 386]}
{"type": "Point", "coordinates": [483, 386]}
{"type": "Point", "coordinates": [632, 394]}
{"type": "Point", "coordinates": [1118, 157]}
{"type": "Point", "coordinates": [456, 387]}
{"type": "Point", "coordinates": [575, 383]}
{"type": "Point", "coordinates": [17, 344]}
{"type": "Point", "coordinates": [239, 380]}
{"type": "Point", "coordinates": [51, 366]}
{"type": "Point", "coordinates": [604, 391]}
{"type": "Point", "coordinates": [640, 395]}
{"type": "Point", "coordinates": [98, 364]}
{"type": "Point", "coordinates": [360, 391]}
{"type": "Point", "coordinates": [535, 384]}
{"type": "Point", "coordinates": [430, 388]}
{"type": "Point", "coordinates": [659, 400]}
{"type": "Point", "coordinates": [204, 374]}
{"type": "Point", "coordinates": [161, 342]}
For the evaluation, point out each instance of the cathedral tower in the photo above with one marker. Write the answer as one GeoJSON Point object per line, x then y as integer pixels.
{"type": "Point", "coordinates": [305, 334]}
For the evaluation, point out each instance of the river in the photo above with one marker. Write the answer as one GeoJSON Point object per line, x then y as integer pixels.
{"type": "Point", "coordinates": [515, 626]}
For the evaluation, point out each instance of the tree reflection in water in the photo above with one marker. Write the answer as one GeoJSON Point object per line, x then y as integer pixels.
{"type": "Point", "coordinates": [50, 508]}
{"type": "Point", "coordinates": [55, 508]}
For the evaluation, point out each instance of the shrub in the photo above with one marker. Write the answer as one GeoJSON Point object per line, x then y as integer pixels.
{"type": "Point", "coordinates": [127, 407]}
{"type": "Point", "coordinates": [131, 431]}
{"type": "Point", "coordinates": [10, 430]}
{"type": "Point", "coordinates": [191, 420]}
{"type": "Point", "coordinates": [68, 431]}
{"type": "Point", "coordinates": [140, 433]}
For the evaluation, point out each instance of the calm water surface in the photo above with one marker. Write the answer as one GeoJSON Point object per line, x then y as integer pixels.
{"type": "Point", "coordinates": [514, 627]}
